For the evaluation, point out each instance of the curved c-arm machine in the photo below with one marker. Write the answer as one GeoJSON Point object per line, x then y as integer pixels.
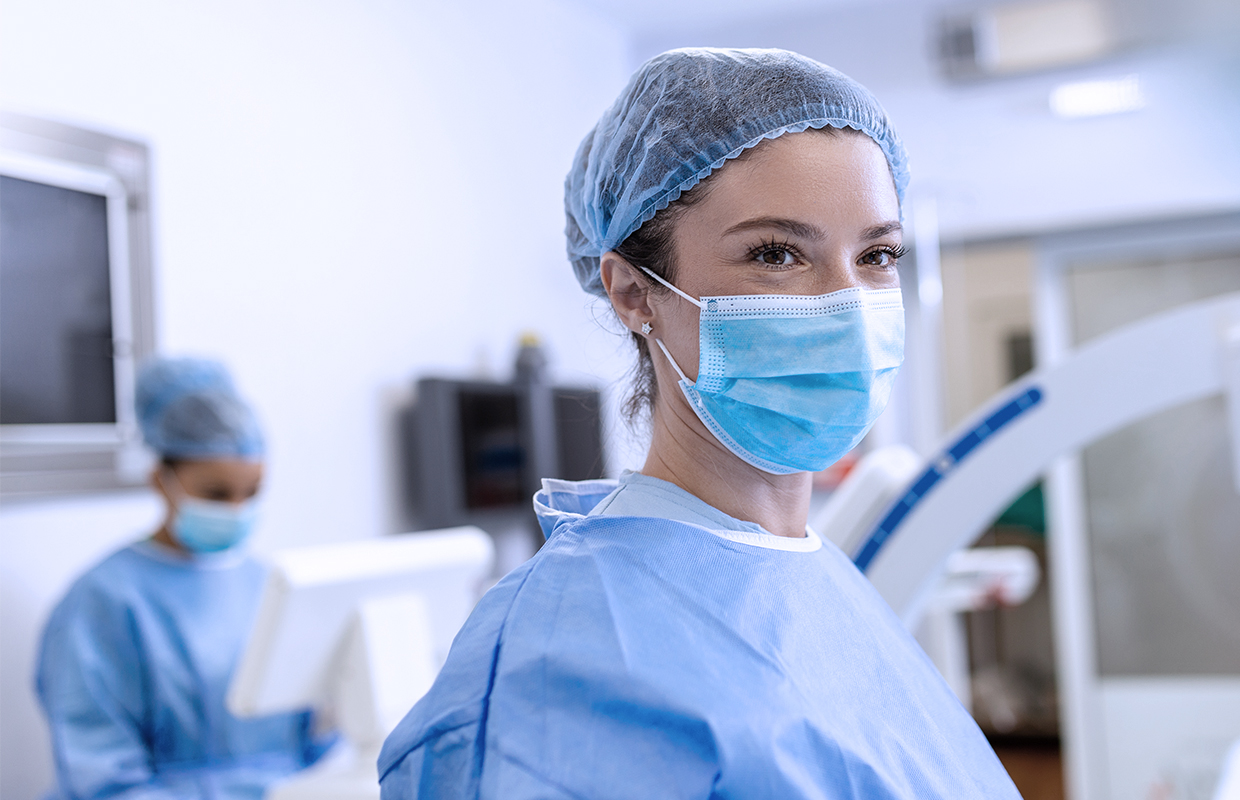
{"type": "Point", "coordinates": [1158, 363]}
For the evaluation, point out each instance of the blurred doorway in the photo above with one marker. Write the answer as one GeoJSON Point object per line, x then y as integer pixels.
{"type": "Point", "coordinates": [1130, 650]}
{"type": "Point", "coordinates": [1145, 530]}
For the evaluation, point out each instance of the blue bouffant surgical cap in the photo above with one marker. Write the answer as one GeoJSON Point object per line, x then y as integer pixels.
{"type": "Point", "coordinates": [189, 409]}
{"type": "Point", "coordinates": [686, 112]}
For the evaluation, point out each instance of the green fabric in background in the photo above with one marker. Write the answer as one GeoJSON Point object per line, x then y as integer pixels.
{"type": "Point", "coordinates": [1027, 511]}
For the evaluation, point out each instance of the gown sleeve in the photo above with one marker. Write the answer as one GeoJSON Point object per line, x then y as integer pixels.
{"type": "Point", "coordinates": [90, 682]}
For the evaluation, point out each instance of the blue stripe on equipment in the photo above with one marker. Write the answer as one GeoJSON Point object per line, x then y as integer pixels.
{"type": "Point", "coordinates": [939, 469]}
{"type": "Point", "coordinates": [967, 442]}
{"type": "Point", "coordinates": [928, 479]}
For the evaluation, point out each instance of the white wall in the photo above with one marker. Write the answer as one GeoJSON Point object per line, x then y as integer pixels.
{"type": "Point", "coordinates": [42, 548]}
{"type": "Point", "coordinates": [991, 152]}
{"type": "Point", "coordinates": [347, 195]}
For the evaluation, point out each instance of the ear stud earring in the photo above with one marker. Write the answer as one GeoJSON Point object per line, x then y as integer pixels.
{"type": "Point", "coordinates": [646, 328]}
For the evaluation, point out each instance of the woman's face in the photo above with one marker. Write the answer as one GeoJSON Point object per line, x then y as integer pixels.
{"type": "Point", "coordinates": [223, 480]}
{"type": "Point", "coordinates": [805, 214]}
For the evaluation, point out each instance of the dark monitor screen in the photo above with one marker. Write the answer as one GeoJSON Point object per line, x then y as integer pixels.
{"type": "Point", "coordinates": [579, 434]}
{"type": "Point", "coordinates": [476, 451]}
{"type": "Point", "coordinates": [56, 362]}
{"type": "Point", "coordinates": [492, 456]}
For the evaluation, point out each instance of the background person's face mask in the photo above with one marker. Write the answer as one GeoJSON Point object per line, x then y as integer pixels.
{"type": "Point", "coordinates": [210, 526]}
{"type": "Point", "coordinates": [791, 383]}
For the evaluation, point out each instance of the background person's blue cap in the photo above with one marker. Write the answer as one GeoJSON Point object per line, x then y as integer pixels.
{"type": "Point", "coordinates": [686, 112]}
{"type": "Point", "coordinates": [188, 408]}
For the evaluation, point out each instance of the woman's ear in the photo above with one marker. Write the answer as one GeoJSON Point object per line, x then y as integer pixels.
{"type": "Point", "coordinates": [628, 292]}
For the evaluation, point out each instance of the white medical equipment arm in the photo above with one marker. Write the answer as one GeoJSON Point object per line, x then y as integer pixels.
{"type": "Point", "coordinates": [971, 579]}
{"type": "Point", "coordinates": [1158, 363]}
{"type": "Point", "coordinates": [983, 577]}
{"type": "Point", "coordinates": [865, 494]}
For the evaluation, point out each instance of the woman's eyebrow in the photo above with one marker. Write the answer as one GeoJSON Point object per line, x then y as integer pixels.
{"type": "Point", "coordinates": [879, 231]}
{"type": "Point", "coordinates": [804, 230]}
{"type": "Point", "coordinates": [799, 229]}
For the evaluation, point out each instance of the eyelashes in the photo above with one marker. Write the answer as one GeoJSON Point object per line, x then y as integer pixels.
{"type": "Point", "coordinates": [893, 253]}
{"type": "Point", "coordinates": [774, 246]}
{"type": "Point", "coordinates": [783, 246]}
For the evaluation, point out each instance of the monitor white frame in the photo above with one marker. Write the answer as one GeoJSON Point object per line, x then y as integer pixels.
{"type": "Point", "coordinates": [81, 178]}
{"type": "Point", "coordinates": [73, 459]}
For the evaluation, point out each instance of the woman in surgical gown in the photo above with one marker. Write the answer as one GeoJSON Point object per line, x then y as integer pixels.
{"type": "Point", "coordinates": [682, 633]}
{"type": "Point", "coordinates": [136, 658]}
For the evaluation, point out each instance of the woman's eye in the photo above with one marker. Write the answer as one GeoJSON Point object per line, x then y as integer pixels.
{"type": "Point", "coordinates": [881, 258]}
{"type": "Point", "coordinates": [776, 257]}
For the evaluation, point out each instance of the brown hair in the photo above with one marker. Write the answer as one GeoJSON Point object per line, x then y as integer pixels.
{"type": "Point", "coordinates": [652, 246]}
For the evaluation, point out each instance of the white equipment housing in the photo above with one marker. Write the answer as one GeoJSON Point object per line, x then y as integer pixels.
{"type": "Point", "coordinates": [360, 628]}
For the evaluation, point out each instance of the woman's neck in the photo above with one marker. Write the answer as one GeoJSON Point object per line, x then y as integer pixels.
{"type": "Point", "coordinates": [683, 452]}
{"type": "Point", "coordinates": [164, 537]}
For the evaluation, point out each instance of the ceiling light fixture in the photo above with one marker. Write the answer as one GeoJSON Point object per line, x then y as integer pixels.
{"type": "Point", "coordinates": [1097, 98]}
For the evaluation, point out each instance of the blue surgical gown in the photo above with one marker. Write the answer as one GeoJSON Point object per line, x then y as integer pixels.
{"type": "Point", "coordinates": [657, 648]}
{"type": "Point", "coordinates": [134, 665]}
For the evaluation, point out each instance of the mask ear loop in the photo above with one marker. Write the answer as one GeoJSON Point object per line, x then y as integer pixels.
{"type": "Point", "coordinates": [675, 366]}
{"type": "Point", "coordinates": [659, 342]}
{"type": "Point", "coordinates": [693, 300]}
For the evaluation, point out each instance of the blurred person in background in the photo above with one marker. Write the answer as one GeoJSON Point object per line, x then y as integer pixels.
{"type": "Point", "coordinates": [136, 658]}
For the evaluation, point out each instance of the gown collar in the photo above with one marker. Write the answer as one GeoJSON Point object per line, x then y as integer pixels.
{"type": "Point", "coordinates": [638, 495]}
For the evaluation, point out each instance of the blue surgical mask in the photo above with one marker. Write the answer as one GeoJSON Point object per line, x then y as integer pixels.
{"type": "Point", "coordinates": [790, 383]}
{"type": "Point", "coordinates": [209, 526]}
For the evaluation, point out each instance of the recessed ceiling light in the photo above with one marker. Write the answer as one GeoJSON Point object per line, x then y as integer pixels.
{"type": "Point", "coordinates": [1097, 98]}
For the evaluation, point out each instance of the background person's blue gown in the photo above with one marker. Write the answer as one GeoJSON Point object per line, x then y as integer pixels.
{"type": "Point", "coordinates": [134, 666]}
{"type": "Point", "coordinates": [658, 648]}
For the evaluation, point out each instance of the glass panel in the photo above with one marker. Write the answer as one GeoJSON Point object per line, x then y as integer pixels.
{"type": "Point", "coordinates": [1162, 507]}
{"type": "Point", "coordinates": [55, 306]}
